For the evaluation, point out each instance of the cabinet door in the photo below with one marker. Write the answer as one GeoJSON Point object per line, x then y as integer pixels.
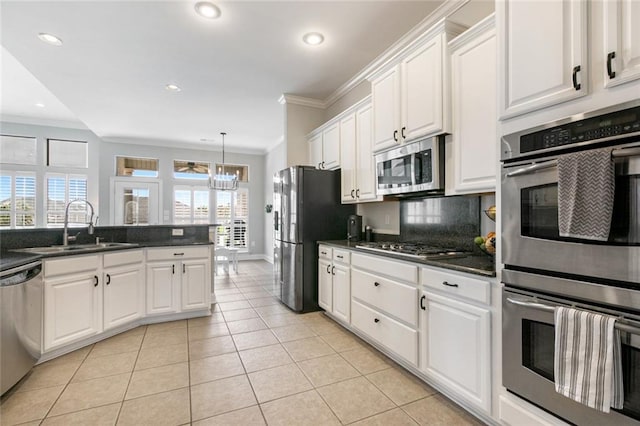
{"type": "Point", "coordinates": [342, 292]}
{"type": "Point", "coordinates": [537, 61]}
{"type": "Point", "coordinates": [348, 159]}
{"type": "Point", "coordinates": [456, 347]}
{"type": "Point", "coordinates": [331, 146]}
{"type": "Point", "coordinates": [365, 164]}
{"type": "Point", "coordinates": [422, 90]}
{"type": "Point", "coordinates": [161, 284]}
{"type": "Point", "coordinates": [385, 93]}
{"type": "Point", "coordinates": [621, 41]}
{"type": "Point", "coordinates": [474, 116]}
{"type": "Point", "coordinates": [324, 285]}
{"type": "Point", "coordinates": [196, 284]}
{"type": "Point", "coordinates": [315, 151]}
{"type": "Point", "coordinates": [72, 309]}
{"type": "Point", "coordinates": [123, 295]}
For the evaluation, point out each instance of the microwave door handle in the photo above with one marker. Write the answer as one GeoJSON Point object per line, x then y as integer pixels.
{"type": "Point", "coordinates": [548, 308]}
{"type": "Point", "coordinates": [532, 168]}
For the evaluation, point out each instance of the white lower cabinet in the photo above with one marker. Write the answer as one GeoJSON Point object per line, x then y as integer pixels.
{"type": "Point", "coordinates": [72, 307]}
{"type": "Point", "coordinates": [178, 279]}
{"type": "Point", "coordinates": [123, 292]}
{"type": "Point", "coordinates": [334, 282]}
{"type": "Point", "coordinates": [456, 347]}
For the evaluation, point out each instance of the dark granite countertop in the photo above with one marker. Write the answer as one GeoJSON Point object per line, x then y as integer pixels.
{"type": "Point", "coordinates": [11, 259]}
{"type": "Point", "coordinates": [480, 264]}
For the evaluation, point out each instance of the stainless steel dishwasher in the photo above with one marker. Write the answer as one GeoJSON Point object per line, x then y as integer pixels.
{"type": "Point", "coordinates": [21, 294]}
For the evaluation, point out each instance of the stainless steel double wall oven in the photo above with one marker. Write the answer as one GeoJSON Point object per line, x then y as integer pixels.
{"type": "Point", "coordinates": [544, 270]}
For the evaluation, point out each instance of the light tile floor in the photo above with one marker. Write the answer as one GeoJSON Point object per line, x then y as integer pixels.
{"type": "Point", "coordinates": [252, 362]}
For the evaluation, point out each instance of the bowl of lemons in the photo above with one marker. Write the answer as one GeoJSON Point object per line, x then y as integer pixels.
{"type": "Point", "coordinates": [486, 244]}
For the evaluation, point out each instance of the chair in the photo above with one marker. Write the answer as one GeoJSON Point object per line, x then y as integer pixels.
{"type": "Point", "coordinates": [227, 256]}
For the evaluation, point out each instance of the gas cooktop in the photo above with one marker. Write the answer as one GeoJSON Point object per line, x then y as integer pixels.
{"type": "Point", "coordinates": [415, 250]}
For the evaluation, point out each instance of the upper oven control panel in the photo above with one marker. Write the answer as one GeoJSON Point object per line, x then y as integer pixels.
{"type": "Point", "coordinates": [580, 129]}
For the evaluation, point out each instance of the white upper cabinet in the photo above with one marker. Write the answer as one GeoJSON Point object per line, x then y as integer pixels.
{"type": "Point", "coordinates": [348, 158]}
{"type": "Point", "coordinates": [385, 94]}
{"type": "Point", "coordinates": [543, 53]}
{"type": "Point", "coordinates": [471, 149]}
{"type": "Point", "coordinates": [324, 147]}
{"type": "Point", "coordinates": [621, 41]}
{"type": "Point", "coordinates": [411, 98]}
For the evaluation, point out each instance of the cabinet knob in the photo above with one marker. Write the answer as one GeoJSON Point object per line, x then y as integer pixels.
{"type": "Point", "coordinates": [376, 284]}
{"type": "Point", "coordinates": [184, 269]}
{"type": "Point", "coordinates": [352, 193]}
{"type": "Point", "coordinates": [402, 133]}
{"type": "Point", "coordinates": [108, 279]}
{"type": "Point", "coordinates": [95, 281]}
{"type": "Point", "coordinates": [333, 270]}
{"type": "Point", "coordinates": [395, 135]}
{"type": "Point", "coordinates": [422, 303]}
{"type": "Point", "coordinates": [376, 320]}
{"type": "Point", "coordinates": [328, 269]}
{"type": "Point", "coordinates": [610, 71]}
{"type": "Point", "coordinates": [574, 77]}
{"type": "Point", "coordinates": [322, 164]}
{"type": "Point", "coordinates": [358, 193]}
{"type": "Point", "coordinates": [173, 269]}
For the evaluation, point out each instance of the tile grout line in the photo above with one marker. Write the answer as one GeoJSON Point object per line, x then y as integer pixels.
{"type": "Point", "coordinates": [144, 335]}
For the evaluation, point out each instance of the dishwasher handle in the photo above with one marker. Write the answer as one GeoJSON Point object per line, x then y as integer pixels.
{"type": "Point", "coordinates": [20, 274]}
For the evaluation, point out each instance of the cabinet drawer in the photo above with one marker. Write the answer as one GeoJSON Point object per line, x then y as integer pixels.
{"type": "Point", "coordinates": [342, 256]}
{"type": "Point", "coordinates": [397, 299]}
{"type": "Point", "coordinates": [325, 252]}
{"type": "Point", "coordinates": [71, 265]}
{"type": "Point", "coordinates": [397, 337]}
{"type": "Point", "coordinates": [124, 257]}
{"type": "Point", "coordinates": [395, 269]}
{"type": "Point", "coordinates": [459, 285]}
{"type": "Point", "coordinates": [177, 253]}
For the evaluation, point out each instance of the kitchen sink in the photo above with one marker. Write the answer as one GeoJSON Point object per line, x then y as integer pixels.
{"type": "Point", "coordinates": [74, 248]}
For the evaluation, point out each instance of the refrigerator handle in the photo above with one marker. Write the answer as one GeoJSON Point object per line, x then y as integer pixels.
{"type": "Point", "coordinates": [275, 220]}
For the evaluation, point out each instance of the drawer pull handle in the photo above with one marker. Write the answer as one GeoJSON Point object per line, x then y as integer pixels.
{"type": "Point", "coordinates": [173, 269]}
{"type": "Point", "coordinates": [449, 284]}
{"type": "Point", "coordinates": [376, 320]}
{"type": "Point", "coordinates": [376, 283]}
{"type": "Point", "coordinates": [323, 252]}
{"type": "Point", "coordinates": [333, 270]}
{"type": "Point", "coordinates": [178, 254]}
{"type": "Point", "coordinates": [108, 279]}
{"type": "Point", "coordinates": [328, 269]}
{"type": "Point", "coordinates": [340, 257]}
{"type": "Point", "coordinates": [574, 77]}
{"type": "Point", "coordinates": [95, 281]}
{"type": "Point", "coordinates": [610, 57]}
{"type": "Point", "coordinates": [422, 303]}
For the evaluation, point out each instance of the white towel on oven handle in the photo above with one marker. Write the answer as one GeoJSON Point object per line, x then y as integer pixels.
{"type": "Point", "coordinates": [588, 363]}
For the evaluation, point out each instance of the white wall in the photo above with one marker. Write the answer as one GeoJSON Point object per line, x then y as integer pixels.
{"type": "Point", "coordinates": [274, 161]}
{"type": "Point", "coordinates": [166, 155]}
{"type": "Point", "coordinates": [42, 133]}
{"type": "Point", "coordinates": [299, 121]}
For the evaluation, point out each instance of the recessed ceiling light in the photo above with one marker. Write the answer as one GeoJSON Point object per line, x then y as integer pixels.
{"type": "Point", "coordinates": [313, 39]}
{"type": "Point", "coordinates": [172, 88]}
{"type": "Point", "coordinates": [208, 10]}
{"type": "Point", "coordinates": [40, 105]}
{"type": "Point", "coordinates": [50, 39]}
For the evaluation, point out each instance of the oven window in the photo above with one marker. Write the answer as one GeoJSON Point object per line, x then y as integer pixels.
{"type": "Point", "coordinates": [395, 173]}
{"type": "Point", "coordinates": [631, 377]}
{"type": "Point", "coordinates": [538, 347]}
{"type": "Point", "coordinates": [539, 207]}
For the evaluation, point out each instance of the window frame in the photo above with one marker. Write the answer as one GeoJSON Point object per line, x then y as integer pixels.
{"type": "Point", "coordinates": [192, 189]}
{"type": "Point", "coordinates": [67, 177]}
{"type": "Point", "coordinates": [201, 177]}
{"type": "Point", "coordinates": [233, 217]}
{"type": "Point", "coordinates": [132, 176]}
{"type": "Point", "coordinates": [13, 211]}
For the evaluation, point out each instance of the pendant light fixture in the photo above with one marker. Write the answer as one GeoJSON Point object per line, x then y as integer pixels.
{"type": "Point", "coordinates": [221, 181]}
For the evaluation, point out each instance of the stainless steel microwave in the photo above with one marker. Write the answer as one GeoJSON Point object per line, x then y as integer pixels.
{"type": "Point", "coordinates": [410, 168]}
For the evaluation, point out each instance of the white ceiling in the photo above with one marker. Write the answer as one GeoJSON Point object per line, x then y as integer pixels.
{"type": "Point", "coordinates": [117, 57]}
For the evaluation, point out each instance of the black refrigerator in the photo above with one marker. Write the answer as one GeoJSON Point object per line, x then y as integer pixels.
{"type": "Point", "coordinates": [307, 208]}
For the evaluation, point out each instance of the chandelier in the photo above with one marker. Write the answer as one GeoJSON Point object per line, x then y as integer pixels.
{"type": "Point", "coordinates": [222, 181]}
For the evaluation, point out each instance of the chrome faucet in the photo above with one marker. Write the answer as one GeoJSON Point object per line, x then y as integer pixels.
{"type": "Point", "coordinates": [65, 234]}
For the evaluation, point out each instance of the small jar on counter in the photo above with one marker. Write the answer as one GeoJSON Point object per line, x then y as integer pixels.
{"type": "Point", "coordinates": [368, 233]}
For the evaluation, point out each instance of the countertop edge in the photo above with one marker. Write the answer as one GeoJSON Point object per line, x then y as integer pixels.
{"type": "Point", "coordinates": [438, 264]}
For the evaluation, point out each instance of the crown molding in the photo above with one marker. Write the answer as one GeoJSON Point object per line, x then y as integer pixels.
{"type": "Point", "coordinates": [481, 27]}
{"type": "Point", "coordinates": [50, 122]}
{"type": "Point", "coordinates": [301, 100]}
{"type": "Point", "coordinates": [173, 144]}
{"type": "Point", "coordinates": [441, 12]}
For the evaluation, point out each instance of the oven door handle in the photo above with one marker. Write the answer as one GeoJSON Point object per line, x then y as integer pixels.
{"type": "Point", "coordinates": [548, 308]}
{"type": "Point", "coordinates": [532, 168]}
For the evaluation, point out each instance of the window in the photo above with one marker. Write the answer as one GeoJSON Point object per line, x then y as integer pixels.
{"type": "Point", "coordinates": [232, 215]}
{"type": "Point", "coordinates": [137, 167]}
{"type": "Point", "coordinates": [183, 169]}
{"type": "Point", "coordinates": [17, 200]}
{"type": "Point", "coordinates": [62, 153]}
{"type": "Point", "coordinates": [233, 169]}
{"type": "Point", "coordinates": [17, 150]}
{"type": "Point", "coordinates": [190, 205]}
{"type": "Point", "coordinates": [60, 190]}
